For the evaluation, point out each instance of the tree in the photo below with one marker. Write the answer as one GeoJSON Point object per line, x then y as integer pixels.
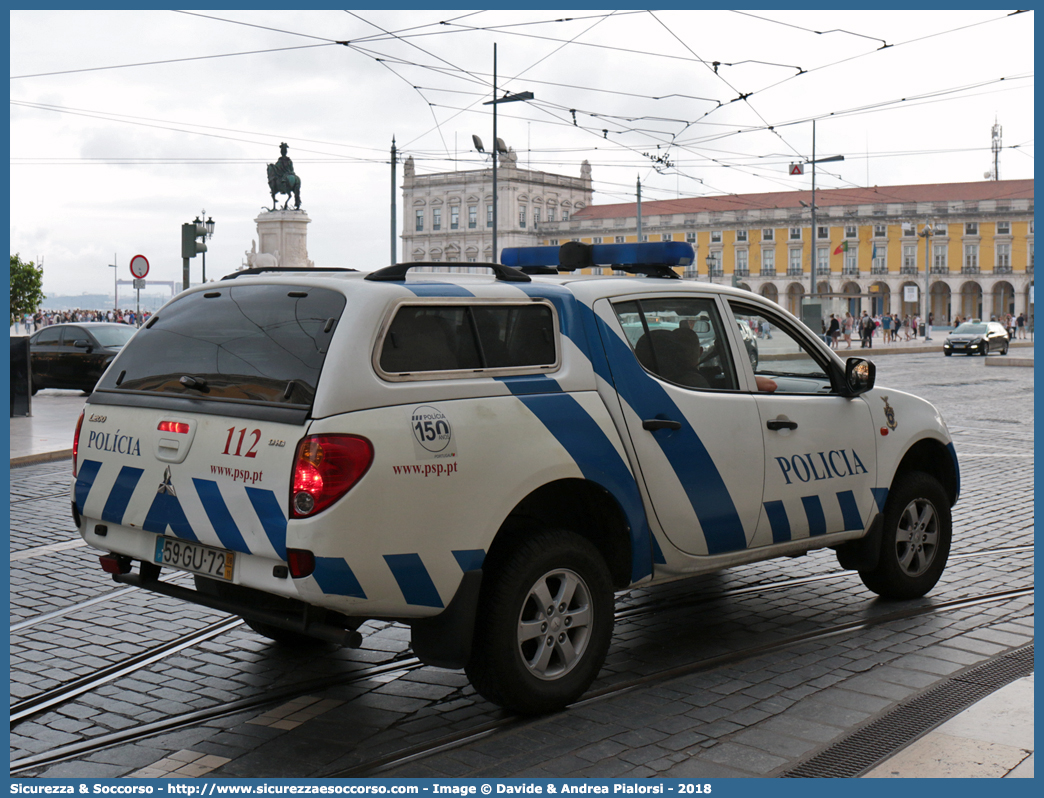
{"type": "Point", "coordinates": [26, 287]}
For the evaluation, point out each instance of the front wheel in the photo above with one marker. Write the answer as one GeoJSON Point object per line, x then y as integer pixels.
{"type": "Point", "coordinates": [915, 539]}
{"type": "Point", "coordinates": [545, 619]}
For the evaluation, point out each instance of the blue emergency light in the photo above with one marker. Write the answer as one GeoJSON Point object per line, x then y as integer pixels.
{"type": "Point", "coordinates": [656, 259]}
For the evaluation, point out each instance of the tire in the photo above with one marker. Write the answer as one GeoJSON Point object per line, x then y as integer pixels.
{"type": "Point", "coordinates": [545, 619]}
{"type": "Point", "coordinates": [915, 539]}
{"type": "Point", "coordinates": [948, 354]}
{"type": "Point", "coordinates": [1004, 351]}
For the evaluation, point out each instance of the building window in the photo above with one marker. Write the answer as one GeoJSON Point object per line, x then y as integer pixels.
{"type": "Point", "coordinates": [822, 260]}
{"type": "Point", "coordinates": [565, 216]}
{"type": "Point", "coordinates": [851, 264]}
{"type": "Point", "coordinates": [741, 235]}
{"type": "Point", "coordinates": [768, 261]}
{"type": "Point", "coordinates": [454, 217]}
{"type": "Point", "coordinates": [644, 239]}
{"type": "Point", "coordinates": [880, 231]}
{"type": "Point", "coordinates": [472, 216]}
{"type": "Point", "coordinates": [879, 263]}
{"type": "Point", "coordinates": [596, 240]}
{"type": "Point", "coordinates": [824, 232]}
{"type": "Point", "coordinates": [419, 227]}
{"type": "Point", "coordinates": [971, 228]}
{"type": "Point", "coordinates": [553, 242]}
{"type": "Point", "coordinates": [618, 240]}
{"type": "Point", "coordinates": [767, 234]}
{"type": "Point", "coordinates": [1030, 258]}
{"type": "Point", "coordinates": [741, 263]}
{"type": "Point", "coordinates": [1004, 255]}
{"type": "Point", "coordinates": [536, 216]}
{"type": "Point", "coordinates": [939, 229]}
{"type": "Point", "coordinates": [690, 237]}
{"type": "Point", "coordinates": [666, 237]}
{"type": "Point", "coordinates": [436, 218]}
{"type": "Point", "coordinates": [851, 231]}
{"type": "Point", "coordinates": [971, 256]}
{"type": "Point", "coordinates": [910, 256]}
{"type": "Point", "coordinates": [939, 258]}
{"type": "Point", "coordinates": [550, 214]}
{"type": "Point", "coordinates": [522, 216]}
{"type": "Point", "coordinates": [909, 229]}
{"type": "Point", "coordinates": [715, 236]}
{"type": "Point", "coordinates": [795, 262]}
{"type": "Point", "coordinates": [795, 233]}
{"type": "Point", "coordinates": [472, 260]}
{"type": "Point", "coordinates": [489, 216]}
{"type": "Point", "coordinates": [1004, 228]}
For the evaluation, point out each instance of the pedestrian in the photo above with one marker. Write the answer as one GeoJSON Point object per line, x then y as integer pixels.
{"type": "Point", "coordinates": [846, 329]}
{"type": "Point", "coordinates": [886, 328]}
{"type": "Point", "coordinates": [866, 330]}
{"type": "Point", "coordinates": [833, 332]}
{"type": "Point", "coordinates": [766, 328]}
{"type": "Point", "coordinates": [1020, 326]}
{"type": "Point", "coordinates": [928, 326]}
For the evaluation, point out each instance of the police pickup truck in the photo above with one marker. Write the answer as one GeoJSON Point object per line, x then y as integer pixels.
{"type": "Point", "coordinates": [487, 458]}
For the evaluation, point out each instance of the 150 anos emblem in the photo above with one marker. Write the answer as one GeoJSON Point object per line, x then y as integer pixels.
{"type": "Point", "coordinates": [432, 432]}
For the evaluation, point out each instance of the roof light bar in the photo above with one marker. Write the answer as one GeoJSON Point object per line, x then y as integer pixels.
{"type": "Point", "coordinates": [657, 258]}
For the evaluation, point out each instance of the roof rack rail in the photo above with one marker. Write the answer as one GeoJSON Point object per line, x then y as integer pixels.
{"type": "Point", "coordinates": [264, 269]}
{"type": "Point", "coordinates": [397, 272]}
{"type": "Point", "coordinates": [654, 259]}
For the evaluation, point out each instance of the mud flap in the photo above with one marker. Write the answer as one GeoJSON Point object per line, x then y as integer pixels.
{"type": "Point", "coordinates": [444, 640]}
{"type": "Point", "coordinates": [862, 554]}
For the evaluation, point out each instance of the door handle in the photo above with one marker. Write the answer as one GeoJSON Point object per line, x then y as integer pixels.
{"type": "Point", "coordinates": [653, 424]}
{"type": "Point", "coordinates": [776, 424]}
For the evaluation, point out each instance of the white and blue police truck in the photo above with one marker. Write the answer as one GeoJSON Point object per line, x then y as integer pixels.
{"type": "Point", "coordinates": [488, 458]}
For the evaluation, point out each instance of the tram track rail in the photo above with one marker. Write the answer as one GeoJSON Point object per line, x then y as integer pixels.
{"type": "Point", "coordinates": [68, 691]}
{"type": "Point", "coordinates": [404, 664]}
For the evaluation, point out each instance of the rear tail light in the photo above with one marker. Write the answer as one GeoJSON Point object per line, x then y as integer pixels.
{"type": "Point", "coordinates": [301, 562]}
{"type": "Point", "coordinates": [326, 468]}
{"type": "Point", "coordinates": [76, 440]}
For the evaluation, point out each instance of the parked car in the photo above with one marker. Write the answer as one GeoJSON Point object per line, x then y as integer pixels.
{"type": "Point", "coordinates": [977, 338]}
{"type": "Point", "coordinates": [487, 458]}
{"type": "Point", "coordinates": [75, 355]}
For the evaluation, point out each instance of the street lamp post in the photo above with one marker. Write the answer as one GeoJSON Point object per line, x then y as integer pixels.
{"type": "Point", "coordinates": [508, 98]}
{"type": "Point", "coordinates": [115, 284]}
{"type": "Point", "coordinates": [208, 225]}
{"type": "Point", "coordinates": [926, 234]}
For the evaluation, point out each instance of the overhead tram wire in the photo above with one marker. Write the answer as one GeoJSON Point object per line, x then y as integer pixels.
{"type": "Point", "coordinates": [170, 61]}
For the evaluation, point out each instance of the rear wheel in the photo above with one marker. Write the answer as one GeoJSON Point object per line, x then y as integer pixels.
{"type": "Point", "coordinates": [545, 619]}
{"type": "Point", "coordinates": [915, 540]}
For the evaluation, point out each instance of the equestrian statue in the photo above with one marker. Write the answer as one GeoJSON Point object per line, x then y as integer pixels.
{"type": "Point", "coordinates": [282, 180]}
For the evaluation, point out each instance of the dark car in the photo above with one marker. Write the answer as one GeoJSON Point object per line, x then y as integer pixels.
{"type": "Point", "coordinates": [75, 355]}
{"type": "Point", "coordinates": [977, 338]}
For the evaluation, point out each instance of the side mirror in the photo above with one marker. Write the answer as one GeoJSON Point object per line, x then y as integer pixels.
{"type": "Point", "coordinates": [859, 375]}
{"type": "Point", "coordinates": [82, 343]}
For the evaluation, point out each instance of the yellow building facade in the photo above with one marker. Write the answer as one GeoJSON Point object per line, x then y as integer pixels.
{"type": "Point", "coordinates": [871, 251]}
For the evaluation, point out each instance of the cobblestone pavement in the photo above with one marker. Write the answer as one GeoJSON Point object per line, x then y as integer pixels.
{"type": "Point", "coordinates": [757, 716]}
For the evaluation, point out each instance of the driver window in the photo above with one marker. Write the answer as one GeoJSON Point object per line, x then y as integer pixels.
{"type": "Point", "coordinates": [680, 340]}
{"type": "Point", "coordinates": [777, 356]}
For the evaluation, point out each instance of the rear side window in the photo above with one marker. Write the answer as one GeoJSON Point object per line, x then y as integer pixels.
{"type": "Point", "coordinates": [468, 338]}
{"type": "Point", "coordinates": [247, 343]}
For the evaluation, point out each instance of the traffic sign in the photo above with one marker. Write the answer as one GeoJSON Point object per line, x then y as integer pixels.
{"type": "Point", "coordinates": [139, 266]}
{"type": "Point", "coordinates": [797, 169]}
{"type": "Point", "coordinates": [139, 283]}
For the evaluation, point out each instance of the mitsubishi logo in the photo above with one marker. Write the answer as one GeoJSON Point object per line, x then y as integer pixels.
{"type": "Point", "coordinates": [166, 486]}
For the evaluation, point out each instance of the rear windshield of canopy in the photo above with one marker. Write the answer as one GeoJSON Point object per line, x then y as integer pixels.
{"type": "Point", "coordinates": [249, 343]}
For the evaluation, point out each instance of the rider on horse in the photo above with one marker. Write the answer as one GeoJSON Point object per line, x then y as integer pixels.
{"type": "Point", "coordinates": [282, 180]}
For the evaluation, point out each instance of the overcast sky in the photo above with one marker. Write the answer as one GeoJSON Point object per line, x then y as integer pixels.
{"type": "Point", "coordinates": [126, 124]}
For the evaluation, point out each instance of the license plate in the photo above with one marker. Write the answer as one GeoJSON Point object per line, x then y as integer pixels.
{"type": "Point", "coordinates": [195, 558]}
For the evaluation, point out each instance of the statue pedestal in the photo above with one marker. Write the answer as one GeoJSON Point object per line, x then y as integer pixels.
{"type": "Point", "coordinates": [285, 235]}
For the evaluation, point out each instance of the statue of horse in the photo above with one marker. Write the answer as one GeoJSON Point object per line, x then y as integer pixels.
{"type": "Point", "coordinates": [289, 184]}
